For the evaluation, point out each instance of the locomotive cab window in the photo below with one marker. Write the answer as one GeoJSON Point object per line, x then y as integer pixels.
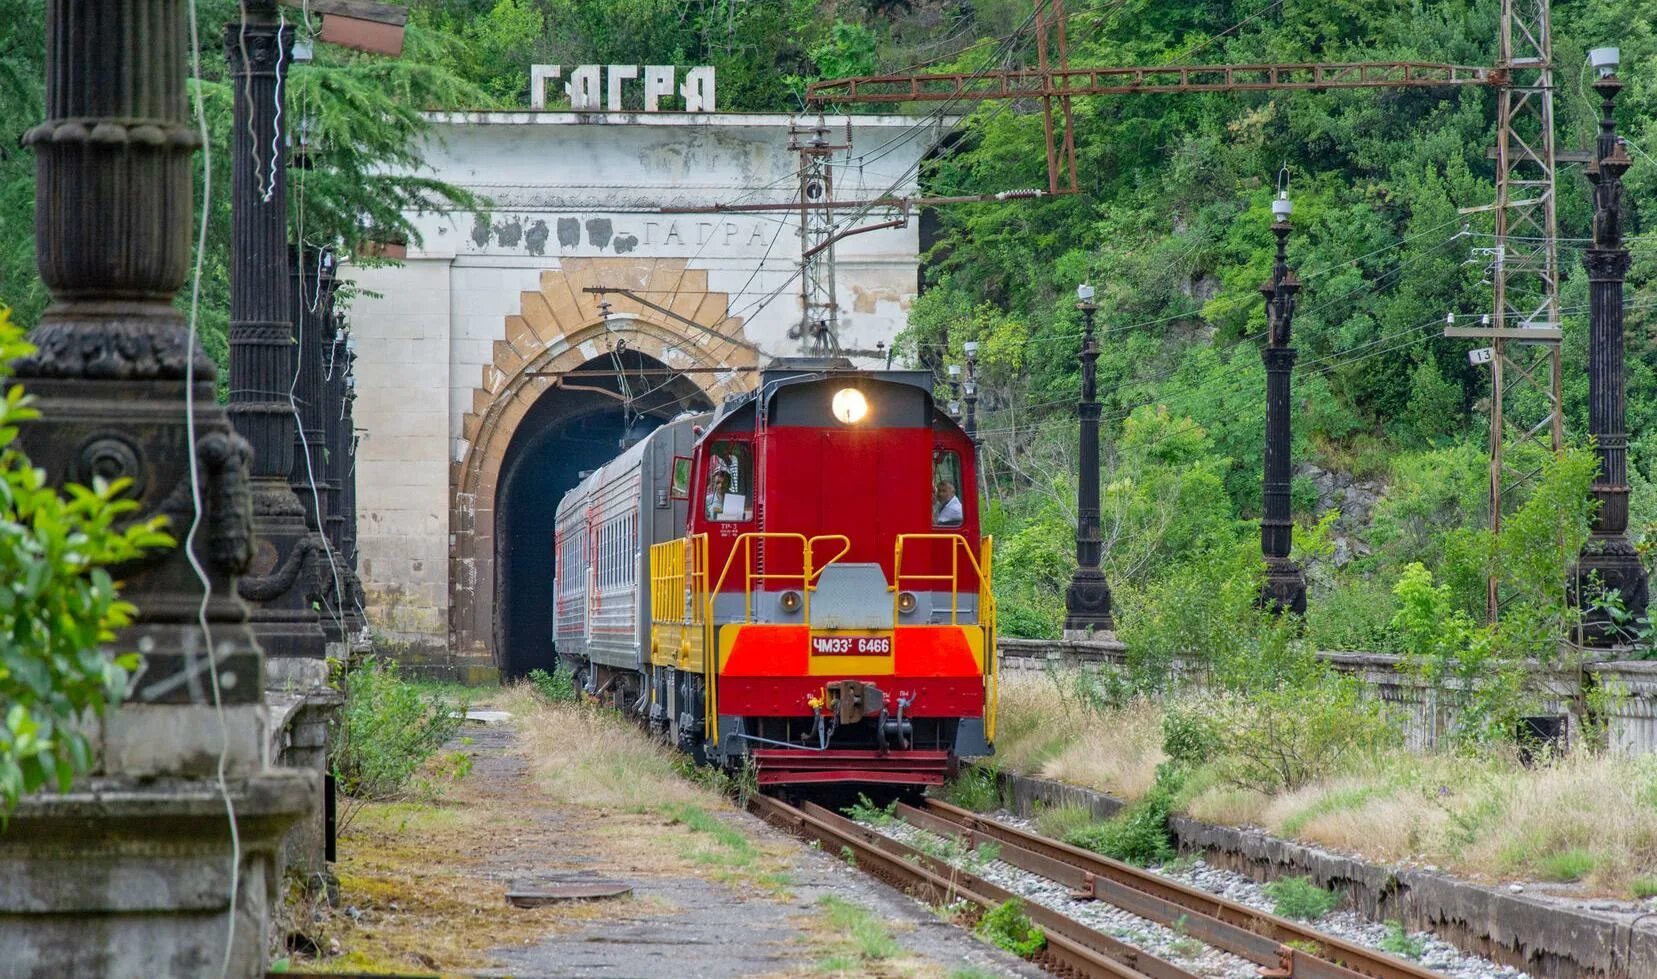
{"type": "Point", "coordinates": [729, 492]}
{"type": "Point", "coordinates": [946, 488]}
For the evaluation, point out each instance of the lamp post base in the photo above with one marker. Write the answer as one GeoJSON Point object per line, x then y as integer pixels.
{"type": "Point", "coordinates": [1609, 564]}
{"type": "Point", "coordinates": [1087, 603]}
{"type": "Point", "coordinates": [1285, 589]}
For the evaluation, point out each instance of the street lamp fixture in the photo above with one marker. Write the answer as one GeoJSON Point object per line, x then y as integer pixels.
{"type": "Point", "coordinates": [1087, 602]}
{"type": "Point", "coordinates": [1285, 584]}
{"type": "Point", "coordinates": [1605, 61]}
{"type": "Point", "coordinates": [1608, 561]}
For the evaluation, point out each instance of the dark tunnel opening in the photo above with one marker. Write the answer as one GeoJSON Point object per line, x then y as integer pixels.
{"type": "Point", "coordinates": [575, 427]}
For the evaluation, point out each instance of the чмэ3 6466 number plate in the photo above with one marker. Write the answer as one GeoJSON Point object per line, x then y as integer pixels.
{"type": "Point", "coordinates": [851, 645]}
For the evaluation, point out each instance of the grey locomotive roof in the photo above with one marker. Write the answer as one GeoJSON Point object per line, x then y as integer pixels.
{"type": "Point", "coordinates": [783, 371]}
{"type": "Point", "coordinates": [620, 463]}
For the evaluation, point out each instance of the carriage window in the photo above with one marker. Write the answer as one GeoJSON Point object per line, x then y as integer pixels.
{"type": "Point", "coordinates": [729, 494]}
{"type": "Point", "coordinates": [946, 488]}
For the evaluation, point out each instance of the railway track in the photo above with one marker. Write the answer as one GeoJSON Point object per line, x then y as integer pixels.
{"type": "Point", "coordinates": [1280, 948]}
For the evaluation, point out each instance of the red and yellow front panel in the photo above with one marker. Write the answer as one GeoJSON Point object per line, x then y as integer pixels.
{"type": "Point", "coordinates": [774, 670]}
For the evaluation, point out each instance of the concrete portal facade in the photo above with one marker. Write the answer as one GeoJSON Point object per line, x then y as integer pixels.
{"type": "Point", "coordinates": [463, 347]}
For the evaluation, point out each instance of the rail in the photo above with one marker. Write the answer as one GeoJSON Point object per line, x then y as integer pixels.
{"type": "Point", "coordinates": [1071, 946]}
{"type": "Point", "coordinates": [1256, 935]}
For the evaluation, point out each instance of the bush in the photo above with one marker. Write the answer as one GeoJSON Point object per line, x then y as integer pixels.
{"type": "Point", "coordinates": [1008, 927]}
{"type": "Point", "coordinates": [1399, 941]}
{"type": "Point", "coordinates": [1298, 897]}
{"type": "Point", "coordinates": [59, 607]}
{"type": "Point", "coordinates": [1282, 738]}
{"type": "Point", "coordinates": [388, 732]}
{"type": "Point", "coordinates": [557, 687]}
{"type": "Point", "coordinates": [1139, 833]}
{"type": "Point", "coordinates": [975, 788]}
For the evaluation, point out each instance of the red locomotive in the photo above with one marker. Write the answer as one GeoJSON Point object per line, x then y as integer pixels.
{"type": "Point", "coordinates": [796, 581]}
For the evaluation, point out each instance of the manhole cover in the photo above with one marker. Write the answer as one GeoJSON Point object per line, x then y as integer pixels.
{"type": "Point", "coordinates": [535, 894]}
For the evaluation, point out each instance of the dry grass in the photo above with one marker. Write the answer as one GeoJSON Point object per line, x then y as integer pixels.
{"type": "Point", "coordinates": [426, 880]}
{"type": "Point", "coordinates": [632, 773]}
{"type": "Point", "coordinates": [1582, 818]}
{"type": "Point", "coordinates": [1045, 731]}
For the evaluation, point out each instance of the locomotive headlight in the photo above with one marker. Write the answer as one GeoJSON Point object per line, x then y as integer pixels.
{"type": "Point", "coordinates": [790, 601]}
{"type": "Point", "coordinates": [906, 602]}
{"type": "Point", "coordinates": [850, 406]}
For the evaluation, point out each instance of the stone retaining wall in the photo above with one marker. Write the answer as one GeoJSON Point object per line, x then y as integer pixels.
{"type": "Point", "coordinates": [1630, 707]}
{"type": "Point", "coordinates": [1547, 939]}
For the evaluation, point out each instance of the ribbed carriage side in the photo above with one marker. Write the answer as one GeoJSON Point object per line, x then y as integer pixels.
{"type": "Point", "coordinates": [570, 578]}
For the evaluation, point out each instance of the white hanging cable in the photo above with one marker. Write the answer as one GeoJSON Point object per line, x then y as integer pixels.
{"type": "Point", "coordinates": [195, 493]}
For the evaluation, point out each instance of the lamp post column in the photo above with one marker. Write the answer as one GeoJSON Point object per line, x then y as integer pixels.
{"type": "Point", "coordinates": [1087, 603]}
{"type": "Point", "coordinates": [1608, 560]}
{"type": "Point", "coordinates": [1285, 586]}
{"type": "Point", "coordinates": [280, 588]}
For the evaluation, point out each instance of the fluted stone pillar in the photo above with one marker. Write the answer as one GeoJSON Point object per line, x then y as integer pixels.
{"type": "Point", "coordinates": [1608, 561]}
{"type": "Point", "coordinates": [281, 586]}
{"type": "Point", "coordinates": [114, 371]}
{"type": "Point", "coordinates": [1285, 586]}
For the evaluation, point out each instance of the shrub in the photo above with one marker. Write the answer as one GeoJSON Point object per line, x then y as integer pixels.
{"type": "Point", "coordinates": [1298, 897]}
{"type": "Point", "coordinates": [557, 687]}
{"type": "Point", "coordinates": [388, 732]}
{"type": "Point", "coordinates": [59, 607]}
{"type": "Point", "coordinates": [1282, 738]}
{"type": "Point", "coordinates": [1190, 734]}
{"type": "Point", "coordinates": [864, 810]}
{"type": "Point", "coordinates": [1007, 926]}
{"type": "Point", "coordinates": [975, 788]}
{"type": "Point", "coordinates": [1398, 941]}
{"type": "Point", "coordinates": [1139, 833]}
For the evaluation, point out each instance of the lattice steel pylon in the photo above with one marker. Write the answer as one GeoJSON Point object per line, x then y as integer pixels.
{"type": "Point", "coordinates": [1524, 327]}
{"type": "Point", "coordinates": [819, 313]}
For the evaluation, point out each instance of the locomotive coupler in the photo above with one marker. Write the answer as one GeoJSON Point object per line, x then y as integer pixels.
{"type": "Point", "coordinates": [895, 729]}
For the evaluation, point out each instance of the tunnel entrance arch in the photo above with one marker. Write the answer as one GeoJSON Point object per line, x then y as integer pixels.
{"type": "Point", "coordinates": [538, 385]}
{"type": "Point", "coordinates": [604, 405]}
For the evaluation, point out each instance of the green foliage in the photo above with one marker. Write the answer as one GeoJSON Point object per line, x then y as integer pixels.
{"type": "Point", "coordinates": [1643, 888]}
{"type": "Point", "coordinates": [869, 938]}
{"type": "Point", "coordinates": [1006, 925]}
{"type": "Point", "coordinates": [1299, 898]}
{"type": "Point", "coordinates": [1399, 941]}
{"type": "Point", "coordinates": [557, 687]}
{"type": "Point", "coordinates": [1277, 739]}
{"type": "Point", "coordinates": [59, 606]}
{"type": "Point", "coordinates": [1139, 833]}
{"type": "Point", "coordinates": [1567, 866]}
{"type": "Point", "coordinates": [1487, 667]}
{"type": "Point", "coordinates": [864, 810]}
{"type": "Point", "coordinates": [389, 732]}
{"type": "Point", "coordinates": [975, 788]}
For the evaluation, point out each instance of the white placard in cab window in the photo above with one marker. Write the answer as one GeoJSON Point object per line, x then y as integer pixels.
{"type": "Point", "coordinates": [733, 506]}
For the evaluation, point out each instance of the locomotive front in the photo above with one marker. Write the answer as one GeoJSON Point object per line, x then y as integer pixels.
{"type": "Point", "coordinates": [827, 614]}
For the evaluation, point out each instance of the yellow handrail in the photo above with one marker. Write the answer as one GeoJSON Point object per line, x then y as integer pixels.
{"type": "Point", "coordinates": [992, 655]}
{"type": "Point", "coordinates": [958, 546]}
{"type": "Point", "coordinates": [744, 545]}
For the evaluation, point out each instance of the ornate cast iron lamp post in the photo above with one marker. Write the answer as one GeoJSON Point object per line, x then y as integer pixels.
{"type": "Point", "coordinates": [1285, 585]}
{"type": "Point", "coordinates": [970, 387]}
{"type": "Point", "coordinates": [1608, 561]}
{"type": "Point", "coordinates": [1087, 603]}
{"type": "Point", "coordinates": [281, 585]}
{"type": "Point", "coordinates": [954, 390]}
{"type": "Point", "coordinates": [114, 369]}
